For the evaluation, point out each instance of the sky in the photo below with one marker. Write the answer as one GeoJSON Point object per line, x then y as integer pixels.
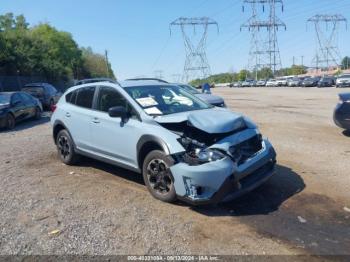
{"type": "Point", "coordinates": [137, 36]}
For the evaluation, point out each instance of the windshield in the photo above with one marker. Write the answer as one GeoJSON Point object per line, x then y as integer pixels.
{"type": "Point", "coordinates": [345, 76]}
{"type": "Point", "coordinates": [165, 100]}
{"type": "Point", "coordinates": [5, 99]}
{"type": "Point", "coordinates": [190, 89]}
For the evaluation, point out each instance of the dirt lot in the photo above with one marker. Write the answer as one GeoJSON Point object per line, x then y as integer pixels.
{"type": "Point", "coordinates": [101, 209]}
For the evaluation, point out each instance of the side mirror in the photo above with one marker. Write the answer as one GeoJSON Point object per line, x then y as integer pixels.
{"type": "Point", "coordinates": [118, 112]}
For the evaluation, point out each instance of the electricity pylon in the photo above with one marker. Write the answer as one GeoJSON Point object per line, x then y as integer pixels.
{"type": "Point", "coordinates": [196, 63]}
{"type": "Point", "coordinates": [264, 49]}
{"type": "Point", "coordinates": [327, 51]}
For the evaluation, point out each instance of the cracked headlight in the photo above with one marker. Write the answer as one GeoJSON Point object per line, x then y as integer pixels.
{"type": "Point", "coordinates": [202, 156]}
{"type": "Point", "coordinates": [208, 155]}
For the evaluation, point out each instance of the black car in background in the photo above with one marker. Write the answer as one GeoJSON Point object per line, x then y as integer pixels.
{"type": "Point", "coordinates": [311, 82]}
{"type": "Point", "coordinates": [342, 112]}
{"type": "Point", "coordinates": [46, 93]}
{"type": "Point", "coordinates": [326, 81]}
{"type": "Point", "coordinates": [16, 107]}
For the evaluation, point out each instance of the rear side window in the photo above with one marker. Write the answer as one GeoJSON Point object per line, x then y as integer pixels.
{"type": "Point", "coordinates": [85, 97]}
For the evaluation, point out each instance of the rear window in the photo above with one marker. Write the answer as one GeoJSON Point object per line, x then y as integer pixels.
{"type": "Point", "coordinates": [34, 90]}
{"type": "Point", "coordinates": [85, 97]}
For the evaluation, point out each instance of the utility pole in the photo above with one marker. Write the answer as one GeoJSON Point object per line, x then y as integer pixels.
{"type": "Point", "coordinates": [302, 61]}
{"type": "Point", "coordinates": [264, 49]}
{"type": "Point", "coordinates": [107, 63]}
{"type": "Point", "coordinates": [327, 49]}
{"type": "Point", "coordinates": [196, 63]}
{"type": "Point", "coordinates": [158, 74]}
{"type": "Point", "coordinates": [293, 60]}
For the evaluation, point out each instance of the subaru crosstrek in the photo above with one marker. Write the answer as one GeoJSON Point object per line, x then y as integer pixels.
{"type": "Point", "coordinates": [185, 148]}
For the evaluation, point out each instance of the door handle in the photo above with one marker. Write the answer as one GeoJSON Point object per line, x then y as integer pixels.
{"type": "Point", "coordinates": [68, 114]}
{"type": "Point", "coordinates": [96, 120]}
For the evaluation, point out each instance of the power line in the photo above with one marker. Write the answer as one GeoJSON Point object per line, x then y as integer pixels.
{"type": "Point", "coordinates": [196, 63]}
{"type": "Point", "coordinates": [327, 51]}
{"type": "Point", "coordinates": [264, 50]}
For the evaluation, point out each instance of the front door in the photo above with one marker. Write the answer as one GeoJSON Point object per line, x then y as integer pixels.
{"type": "Point", "coordinates": [112, 138]}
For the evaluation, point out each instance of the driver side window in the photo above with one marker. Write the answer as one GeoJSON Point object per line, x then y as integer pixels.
{"type": "Point", "coordinates": [108, 97]}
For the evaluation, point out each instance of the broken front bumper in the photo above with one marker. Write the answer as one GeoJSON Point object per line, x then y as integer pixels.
{"type": "Point", "coordinates": [223, 180]}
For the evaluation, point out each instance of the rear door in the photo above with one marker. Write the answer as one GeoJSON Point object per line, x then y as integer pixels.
{"type": "Point", "coordinates": [29, 105]}
{"type": "Point", "coordinates": [77, 116]}
{"type": "Point", "coordinates": [18, 106]}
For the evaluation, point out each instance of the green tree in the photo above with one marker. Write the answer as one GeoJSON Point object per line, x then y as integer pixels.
{"type": "Point", "coordinates": [7, 22]}
{"type": "Point", "coordinates": [94, 65]}
{"type": "Point", "coordinates": [345, 64]}
{"type": "Point", "coordinates": [265, 73]}
{"type": "Point", "coordinates": [21, 22]}
{"type": "Point", "coordinates": [244, 75]}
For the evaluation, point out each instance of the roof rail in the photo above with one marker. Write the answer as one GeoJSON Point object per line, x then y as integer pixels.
{"type": "Point", "coordinates": [95, 80]}
{"type": "Point", "coordinates": [147, 79]}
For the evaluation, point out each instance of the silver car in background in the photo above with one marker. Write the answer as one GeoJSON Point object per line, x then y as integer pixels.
{"type": "Point", "coordinates": [209, 98]}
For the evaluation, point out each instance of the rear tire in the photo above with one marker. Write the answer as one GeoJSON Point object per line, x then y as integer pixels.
{"type": "Point", "coordinates": [157, 176]}
{"type": "Point", "coordinates": [65, 148]}
{"type": "Point", "coordinates": [10, 122]}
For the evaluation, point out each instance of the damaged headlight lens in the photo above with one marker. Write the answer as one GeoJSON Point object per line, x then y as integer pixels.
{"type": "Point", "coordinates": [208, 155]}
{"type": "Point", "coordinates": [202, 156]}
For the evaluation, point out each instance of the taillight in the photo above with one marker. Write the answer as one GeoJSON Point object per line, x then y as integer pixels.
{"type": "Point", "coordinates": [53, 108]}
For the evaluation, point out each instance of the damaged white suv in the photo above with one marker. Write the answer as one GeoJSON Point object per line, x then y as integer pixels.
{"type": "Point", "coordinates": [185, 148]}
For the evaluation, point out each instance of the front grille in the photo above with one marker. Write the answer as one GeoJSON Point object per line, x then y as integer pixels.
{"type": "Point", "coordinates": [246, 150]}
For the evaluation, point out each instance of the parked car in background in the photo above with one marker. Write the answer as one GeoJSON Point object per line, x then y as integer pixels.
{"type": "Point", "coordinates": [16, 107]}
{"type": "Point", "coordinates": [46, 93]}
{"type": "Point", "coordinates": [281, 81]}
{"type": "Point", "coordinates": [326, 81]}
{"type": "Point", "coordinates": [248, 83]}
{"type": "Point", "coordinates": [342, 112]}
{"type": "Point", "coordinates": [237, 84]}
{"type": "Point", "coordinates": [343, 81]}
{"type": "Point", "coordinates": [311, 82]}
{"type": "Point", "coordinates": [209, 98]}
{"type": "Point", "coordinates": [193, 152]}
{"type": "Point", "coordinates": [271, 82]}
{"type": "Point", "coordinates": [261, 83]}
{"type": "Point", "coordinates": [294, 82]}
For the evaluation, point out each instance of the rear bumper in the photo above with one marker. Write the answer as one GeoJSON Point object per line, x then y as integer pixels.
{"type": "Point", "coordinates": [223, 180]}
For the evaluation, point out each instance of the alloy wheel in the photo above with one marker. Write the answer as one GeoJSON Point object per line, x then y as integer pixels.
{"type": "Point", "coordinates": [64, 147]}
{"type": "Point", "coordinates": [159, 176]}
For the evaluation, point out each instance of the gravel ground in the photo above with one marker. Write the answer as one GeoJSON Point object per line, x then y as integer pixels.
{"type": "Point", "coordinates": [97, 209]}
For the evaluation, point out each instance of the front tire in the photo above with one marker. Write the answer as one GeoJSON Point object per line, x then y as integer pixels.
{"type": "Point", "coordinates": [157, 176]}
{"type": "Point", "coordinates": [65, 148]}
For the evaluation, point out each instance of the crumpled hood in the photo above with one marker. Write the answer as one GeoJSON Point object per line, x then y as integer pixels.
{"type": "Point", "coordinates": [211, 99]}
{"type": "Point", "coordinates": [212, 121]}
{"type": "Point", "coordinates": [3, 106]}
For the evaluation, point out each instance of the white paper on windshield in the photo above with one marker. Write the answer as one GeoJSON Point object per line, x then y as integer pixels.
{"type": "Point", "coordinates": [147, 101]}
{"type": "Point", "coordinates": [153, 111]}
